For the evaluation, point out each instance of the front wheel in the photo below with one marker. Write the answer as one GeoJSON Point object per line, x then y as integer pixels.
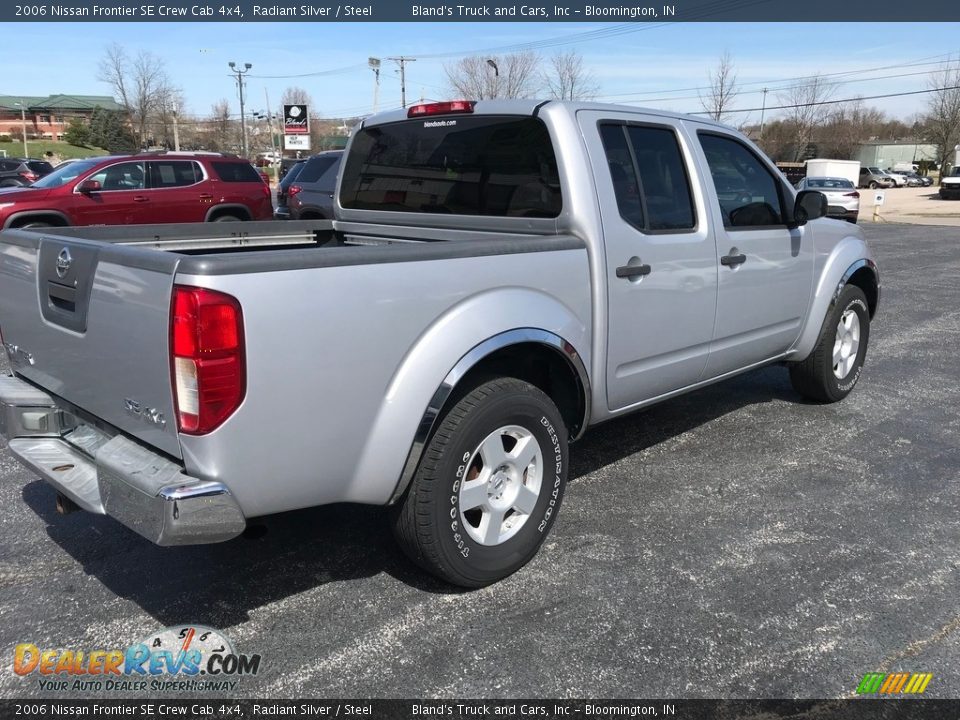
{"type": "Point", "coordinates": [489, 485]}
{"type": "Point", "coordinates": [834, 366]}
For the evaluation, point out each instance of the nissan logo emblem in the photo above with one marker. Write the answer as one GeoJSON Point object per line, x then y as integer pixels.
{"type": "Point", "coordinates": [63, 262]}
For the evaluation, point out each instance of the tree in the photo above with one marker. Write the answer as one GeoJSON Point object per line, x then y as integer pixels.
{"type": "Point", "coordinates": [722, 89]}
{"type": "Point", "coordinates": [943, 113]}
{"type": "Point", "coordinates": [77, 133]}
{"type": "Point", "coordinates": [806, 109]}
{"type": "Point", "coordinates": [109, 130]}
{"type": "Point", "coordinates": [297, 96]}
{"type": "Point", "coordinates": [846, 127]}
{"type": "Point", "coordinates": [482, 78]}
{"type": "Point", "coordinates": [567, 79]}
{"type": "Point", "coordinates": [141, 84]}
{"type": "Point", "coordinates": [222, 134]}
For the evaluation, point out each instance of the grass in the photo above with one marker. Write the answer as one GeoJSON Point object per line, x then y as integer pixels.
{"type": "Point", "coordinates": [37, 149]}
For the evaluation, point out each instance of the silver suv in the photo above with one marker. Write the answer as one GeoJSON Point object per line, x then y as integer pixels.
{"type": "Point", "coordinates": [873, 177]}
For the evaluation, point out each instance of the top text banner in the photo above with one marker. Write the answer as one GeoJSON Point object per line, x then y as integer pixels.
{"type": "Point", "coordinates": [472, 10]}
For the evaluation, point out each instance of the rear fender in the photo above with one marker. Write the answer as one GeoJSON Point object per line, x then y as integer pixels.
{"type": "Point", "coordinates": [444, 353]}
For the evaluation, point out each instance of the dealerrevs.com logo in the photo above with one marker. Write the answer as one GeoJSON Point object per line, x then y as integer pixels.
{"type": "Point", "coordinates": [184, 658]}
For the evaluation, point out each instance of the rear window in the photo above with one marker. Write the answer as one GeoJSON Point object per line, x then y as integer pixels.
{"type": "Point", "coordinates": [829, 184]}
{"type": "Point", "coordinates": [236, 172]}
{"type": "Point", "coordinates": [40, 167]}
{"type": "Point", "coordinates": [464, 165]}
{"type": "Point", "coordinates": [321, 170]}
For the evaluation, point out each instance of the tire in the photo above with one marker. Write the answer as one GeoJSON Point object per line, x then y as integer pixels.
{"type": "Point", "coordinates": [452, 530]}
{"type": "Point", "coordinates": [833, 368]}
{"type": "Point", "coordinates": [873, 185]}
{"type": "Point", "coordinates": [227, 218]}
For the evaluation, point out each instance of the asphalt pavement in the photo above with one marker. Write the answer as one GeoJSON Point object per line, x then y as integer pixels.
{"type": "Point", "coordinates": [735, 542]}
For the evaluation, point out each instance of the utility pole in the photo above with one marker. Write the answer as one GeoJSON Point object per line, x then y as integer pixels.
{"type": "Point", "coordinates": [243, 122]}
{"type": "Point", "coordinates": [402, 61]}
{"type": "Point", "coordinates": [23, 122]}
{"type": "Point", "coordinates": [763, 109]}
{"type": "Point", "coordinates": [176, 132]}
{"type": "Point", "coordinates": [374, 64]}
{"type": "Point", "coordinates": [277, 154]}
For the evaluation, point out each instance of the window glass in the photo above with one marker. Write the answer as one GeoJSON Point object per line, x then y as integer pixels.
{"type": "Point", "coordinates": [748, 193]}
{"type": "Point", "coordinates": [456, 164]}
{"type": "Point", "coordinates": [174, 173]}
{"type": "Point", "coordinates": [237, 172]}
{"type": "Point", "coordinates": [122, 176]}
{"type": "Point", "coordinates": [40, 166]}
{"type": "Point", "coordinates": [315, 168]}
{"type": "Point", "coordinates": [625, 186]}
{"type": "Point", "coordinates": [663, 178]}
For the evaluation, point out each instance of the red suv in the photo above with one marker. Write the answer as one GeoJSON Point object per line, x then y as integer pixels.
{"type": "Point", "coordinates": [141, 189]}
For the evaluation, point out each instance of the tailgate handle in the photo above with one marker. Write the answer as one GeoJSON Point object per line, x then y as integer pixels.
{"type": "Point", "coordinates": [62, 297]}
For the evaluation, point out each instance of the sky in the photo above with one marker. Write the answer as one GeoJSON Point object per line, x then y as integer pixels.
{"type": "Point", "coordinates": [646, 64]}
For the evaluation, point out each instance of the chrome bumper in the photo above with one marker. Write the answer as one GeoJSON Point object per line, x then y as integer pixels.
{"type": "Point", "coordinates": [114, 475]}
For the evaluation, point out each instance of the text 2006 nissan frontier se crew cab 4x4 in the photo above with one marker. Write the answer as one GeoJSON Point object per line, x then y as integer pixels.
{"type": "Point", "coordinates": [500, 276]}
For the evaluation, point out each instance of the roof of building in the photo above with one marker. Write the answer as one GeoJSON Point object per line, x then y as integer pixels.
{"type": "Point", "coordinates": [59, 102]}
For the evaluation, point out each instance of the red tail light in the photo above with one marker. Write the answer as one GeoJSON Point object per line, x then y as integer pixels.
{"type": "Point", "coordinates": [29, 176]}
{"type": "Point", "coordinates": [442, 108]}
{"type": "Point", "coordinates": [207, 360]}
{"type": "Point", "coordinates": [293, 190]}
{"type": "Point", "coordinates": [852, 194]}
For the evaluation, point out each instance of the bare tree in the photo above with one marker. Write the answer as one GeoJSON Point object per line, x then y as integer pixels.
{"type": "Point", "coordinates": [482, 78]}
{"type": "Point", "coordinates": [846, 127]}
{"type": "Point", "coordinates": [943, 113]}
{"type": "Point", "coordinates": [296, 96]}
{"type": "Point", "coordinates": [722, 89]}
{"type": "Point", "coordinates": [140, 82]}
{"type": "Point", "coordinates": [222, 128]}
{"type": "Point", "coordinates": [567, 79]}
{"type": "Point", "coordinates": [806, 109]}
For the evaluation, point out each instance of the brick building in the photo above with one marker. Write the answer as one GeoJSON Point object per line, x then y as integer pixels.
{"type": "Point", "coordinates": [48, 117]}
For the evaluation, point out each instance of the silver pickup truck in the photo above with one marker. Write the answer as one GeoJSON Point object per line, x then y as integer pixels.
{"type": "Point", "coordinates": [499, 277]}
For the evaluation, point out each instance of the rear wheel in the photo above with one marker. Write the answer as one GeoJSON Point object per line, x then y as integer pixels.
{"type": "Point", "coordinates": [834, 366]}
{"type": "Point", "coordinates": [227, 218]}
{"type": "Point", "coordinates": [489, 485]}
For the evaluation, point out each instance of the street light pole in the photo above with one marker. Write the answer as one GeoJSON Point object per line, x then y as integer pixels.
{"type": "Point", "coordinates": [402, 61]}
{"type": "Point", "coordinates": [374, 64]}
{"type": "Point", "coordinates": [243, 121]}
{"type": "Point", "coordinates": [495, 90]}
{"type": "Point", "coordinates": [23, 122]}
{"type": "Point", "coordinates": [763, 111]}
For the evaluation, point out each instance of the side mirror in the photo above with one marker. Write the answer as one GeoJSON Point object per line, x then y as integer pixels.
{"type": "Point", "coordinates": [810, 205]}
{"type": "Point", "coordinates": [89, 186]}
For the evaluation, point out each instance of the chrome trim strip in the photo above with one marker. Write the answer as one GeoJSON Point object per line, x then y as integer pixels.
{"type": "Point", "coordinates": [491, 345]}
{"type": "Point", "coordinates": [194, 490]}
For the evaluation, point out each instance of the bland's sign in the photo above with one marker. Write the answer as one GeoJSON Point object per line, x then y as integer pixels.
{"type": "Point", "coordinates": [296, 120]}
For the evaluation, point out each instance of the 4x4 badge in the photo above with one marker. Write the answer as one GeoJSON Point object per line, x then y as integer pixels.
{"type": "Point", "coordinates": [63, 262]}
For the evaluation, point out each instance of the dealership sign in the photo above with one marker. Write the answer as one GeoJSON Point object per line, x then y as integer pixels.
{"type": "Point", "coordinates": [296, 120]}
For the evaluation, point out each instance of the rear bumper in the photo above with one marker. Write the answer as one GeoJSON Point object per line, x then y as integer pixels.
{"type": "Point", "coordinates": [114, 475]}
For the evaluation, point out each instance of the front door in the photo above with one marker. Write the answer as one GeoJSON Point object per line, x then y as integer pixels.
{"type": "Point", "coordinates": [120, 200]}
{"type": "Point", "coordinates": [660, 255]}
{"type": "Point", "coordinates": [766, 268]}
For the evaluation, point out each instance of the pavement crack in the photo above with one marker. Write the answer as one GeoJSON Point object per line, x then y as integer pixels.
{"type": "Point", "coordinates": [915, 648]}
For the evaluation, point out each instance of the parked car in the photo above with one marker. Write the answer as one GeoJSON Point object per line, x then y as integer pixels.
{"type": "Point", "coordinates": [310, 196]}
{"type": "Point", "coordinates": [137, 189]}
{"type": "Point", "coordinates": [281, 211]}
{"type": "Point", "coordinates": [873, 178]}
{"type": "Point", "coordinates": [500, 276]}
{"type": "Point", "coordinates": [843, 200]}
{"type": "Point", "coordinates": [922, 180]}
{"type": "Point", "coordinates": [22, 172]}
{"type": "Point", "coordinates": [286, 164]}
{"type": "Point", "coordinates": [904, 178]}
{"type": "Point", "coordinates": [950, 184]}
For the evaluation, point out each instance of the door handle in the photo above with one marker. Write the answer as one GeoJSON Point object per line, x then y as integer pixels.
{"type": "Point", "coordinates": [733, 260]}
{"type": "Point", "coordinates": [205, 196]}
{"type": "Point", "coordinates": [629, 271]}
{"type": "Point", "coordinates": [140, 198]}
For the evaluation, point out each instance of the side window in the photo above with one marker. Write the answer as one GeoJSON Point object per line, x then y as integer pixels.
{"type": "Point", "coordinates": [328, 181]}
{"type": "Point", "coordinates": [749, 194]}
{"type": "Point", "coordinates": [649, 177]}
{"type": "Point", "coordinates": [173, 173]}
{"type": "Point", "coordinates": [122, 176]}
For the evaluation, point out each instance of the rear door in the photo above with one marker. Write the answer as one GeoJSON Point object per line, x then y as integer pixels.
{"type": "Point", "coordinates": [766, 268]}
{"type": "Point", "coordinates": [177, 190]}
{"type": "Point", "coordinates": [92, 323]}
{"type": "Point", "coordinates": [660, 255]}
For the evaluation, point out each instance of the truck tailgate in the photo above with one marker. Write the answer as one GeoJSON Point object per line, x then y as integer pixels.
{"type": "Point", "coordinates": [89, 323]}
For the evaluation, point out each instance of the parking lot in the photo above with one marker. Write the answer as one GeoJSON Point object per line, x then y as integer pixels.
{"type": "Point", "coordinates": [914, 205]}
{"type": "Point", "coordinates": [736, 542]}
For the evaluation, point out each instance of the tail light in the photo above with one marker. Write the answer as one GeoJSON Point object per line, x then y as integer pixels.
{"type": "Point", "coordinates": [29, 176]}
{"type": "Point", "coordinates": [208, 362]}
{"type": "Point", "coordinates": [293, 190]}
{"type": "Point", "coordinates": [441, 108]}
{"type": "Point", "coordinates": [852, 194]}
